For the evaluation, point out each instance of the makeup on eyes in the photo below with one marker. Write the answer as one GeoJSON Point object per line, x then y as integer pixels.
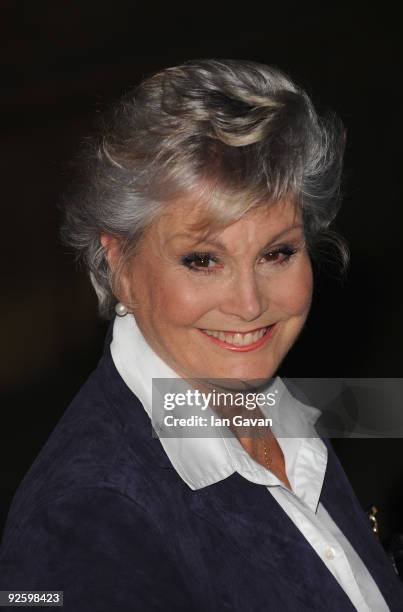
{"type": "Point", "coordinates": [198, 261]}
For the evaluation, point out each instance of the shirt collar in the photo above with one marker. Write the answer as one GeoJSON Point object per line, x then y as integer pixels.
{"type": "Point", "coordinates": [204, 461]}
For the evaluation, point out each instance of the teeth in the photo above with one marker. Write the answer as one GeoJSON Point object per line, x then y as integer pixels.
{"type": "Point", "coordinates": [237, 339]}
{"type": "Point", "coordinates": [249, 338]}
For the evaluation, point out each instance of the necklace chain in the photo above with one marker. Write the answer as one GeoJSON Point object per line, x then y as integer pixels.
{"type": "Point", "coordinates": [266, 455]}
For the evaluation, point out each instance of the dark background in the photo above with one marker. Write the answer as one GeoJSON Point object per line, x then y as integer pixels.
{"type": "Point", "coordinates": [62, 62]}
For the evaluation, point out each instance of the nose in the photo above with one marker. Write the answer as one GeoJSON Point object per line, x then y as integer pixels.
{"type": "Point", "coordinates": [244, 297]}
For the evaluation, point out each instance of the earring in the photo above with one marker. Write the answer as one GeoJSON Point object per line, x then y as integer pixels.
{"type": "Point", "coordinates": [120, 309]}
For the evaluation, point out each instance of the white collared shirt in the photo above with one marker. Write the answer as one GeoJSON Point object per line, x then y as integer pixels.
{"type": "Point", "coordinates": [204, 461]}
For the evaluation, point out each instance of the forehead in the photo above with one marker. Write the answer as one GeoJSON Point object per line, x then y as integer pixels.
{"type": "Point", "coordinates": [184, 220]}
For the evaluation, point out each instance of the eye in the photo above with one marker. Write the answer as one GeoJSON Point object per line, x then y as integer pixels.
{"type": "Point", "coordinates": [199, 262]}
{"type": "Point", "coordinates": [280, 255]}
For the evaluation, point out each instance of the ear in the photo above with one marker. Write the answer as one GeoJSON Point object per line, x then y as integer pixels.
{"type": "Point", "coordinates": [111, 247]}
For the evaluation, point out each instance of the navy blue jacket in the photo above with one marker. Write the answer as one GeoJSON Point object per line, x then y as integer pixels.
{"type": "Point", "coordinates": [103, 516]}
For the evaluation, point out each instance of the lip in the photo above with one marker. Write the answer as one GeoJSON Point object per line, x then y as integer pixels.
{"type": "Point", "coordinates": [248, 347]}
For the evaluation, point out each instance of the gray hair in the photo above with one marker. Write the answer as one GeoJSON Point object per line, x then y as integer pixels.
{"type": "Point", "coordinates": [236, 133]}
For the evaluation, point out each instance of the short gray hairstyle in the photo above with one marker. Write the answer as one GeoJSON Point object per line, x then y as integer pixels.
{"type": "Point", "coordinates": [238, 133]}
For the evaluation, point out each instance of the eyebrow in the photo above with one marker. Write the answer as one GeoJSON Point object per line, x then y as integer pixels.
{"type": "Point", "coordinates": [218, 244]}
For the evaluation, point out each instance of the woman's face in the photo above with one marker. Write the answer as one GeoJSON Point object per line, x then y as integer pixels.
{"type": "Point", "coordinates": [229, 306]}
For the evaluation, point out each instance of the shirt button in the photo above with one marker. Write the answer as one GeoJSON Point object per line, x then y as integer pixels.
{"type": "Point", "coordinates": [330, 553]}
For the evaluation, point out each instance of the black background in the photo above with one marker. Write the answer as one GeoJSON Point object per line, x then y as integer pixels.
{"type": "Point", "coordinates": [62, 62]}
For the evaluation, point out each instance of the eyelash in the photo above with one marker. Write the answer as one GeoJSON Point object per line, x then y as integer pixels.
{"type": "Point", "coordinates": [189, 259]}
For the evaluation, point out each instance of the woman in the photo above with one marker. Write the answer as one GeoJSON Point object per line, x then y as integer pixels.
{"type": "Point", "coordinates": [202, 204]}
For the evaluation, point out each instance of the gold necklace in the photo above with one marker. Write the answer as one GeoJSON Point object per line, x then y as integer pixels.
{"type": "Point", "coordinates": [266, 455]}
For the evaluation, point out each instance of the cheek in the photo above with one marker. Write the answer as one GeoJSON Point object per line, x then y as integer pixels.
{"type": "Point", "coordinates": [294, 292]}
{"type": "Point", "coordinates": [177, 301]}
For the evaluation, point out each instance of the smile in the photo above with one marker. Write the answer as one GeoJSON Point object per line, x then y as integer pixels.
{"type": "Point", "coordinates": [240, 341]}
